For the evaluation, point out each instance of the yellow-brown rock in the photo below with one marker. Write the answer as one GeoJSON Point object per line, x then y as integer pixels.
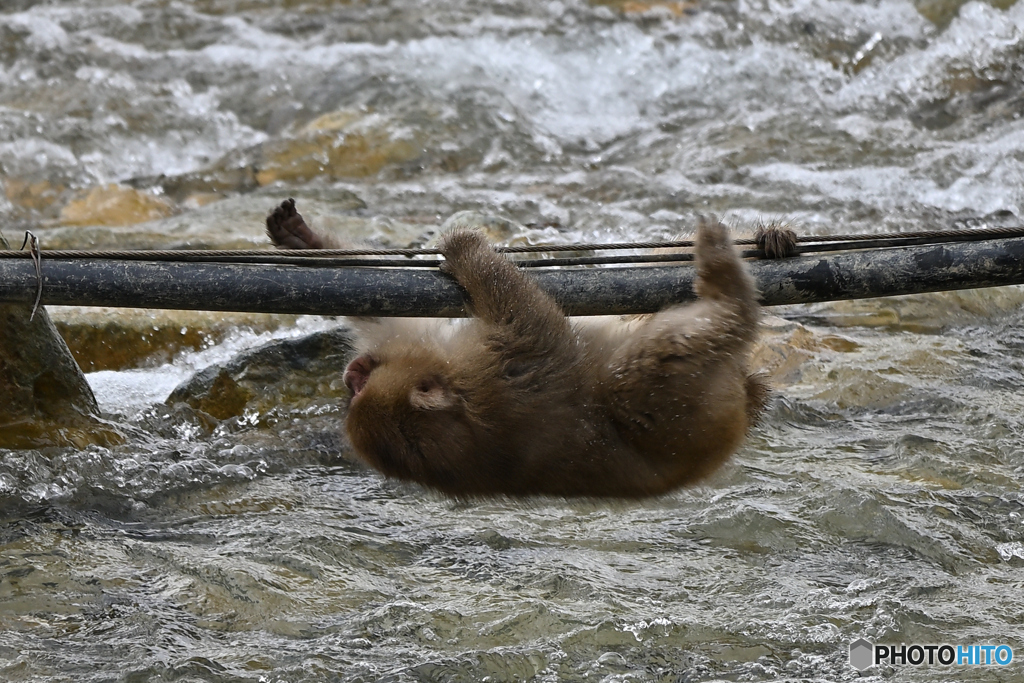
{"type": "Point", "coordinates": [37, 196]}
{"type": "Point", "coordinates": [235, 222]}
{"type": "Point", "coordinates": [333, 121]}
{"type": "Point", "coordinates": [641, 6]}
{"type": "Point", "coordinates": [224, 397]}
{"type": "Point", "coordinates": [930, 312]}
{"type": "Point", "coordinates": [114, 205]}
{"type": "Point", "coordinates": [342, 144]}
{"type": "Point", "coordinates": [941, 12]}
{"type": "Point", "coordinates": [201, 199]}
{"type": "Point", "coordinates": [785, 346]}
{"type": "Point", "coordinates": [199, 188]}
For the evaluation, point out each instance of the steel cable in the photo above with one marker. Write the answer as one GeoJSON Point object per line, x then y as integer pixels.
{"type": "Point", "coordinates": [372, 257]}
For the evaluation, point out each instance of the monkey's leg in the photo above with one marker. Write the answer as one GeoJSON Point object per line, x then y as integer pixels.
{"type": "Point", "coordinates": [287, 229]}
{"type": "Point", "coordinates": [723, 284]}
{"type": "Point", "coordinates": [679, 387]}
{"type": "Point", "coordinates": [721, 273]}
{"type": "Point", "coordinates": [719, 325]}
{"type": "Point", "coordinates": [501, 295]}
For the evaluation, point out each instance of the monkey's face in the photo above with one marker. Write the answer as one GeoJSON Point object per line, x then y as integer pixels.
{"type": "Point", "coordinates": [404, 412]}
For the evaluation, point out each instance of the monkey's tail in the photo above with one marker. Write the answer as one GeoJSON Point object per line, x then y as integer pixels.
{"type": "Point", "coordinates": [759, 392]}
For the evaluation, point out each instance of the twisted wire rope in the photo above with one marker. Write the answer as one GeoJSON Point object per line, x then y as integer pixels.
{"type": "Point", "coordinates": [373, 257]}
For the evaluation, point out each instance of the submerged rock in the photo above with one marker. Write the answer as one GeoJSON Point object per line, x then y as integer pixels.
{"type": "Point", "coordinates": [36, 195]}
{"type": "Point", "coordinates": [785, 346]}
{"type": "Point", "coordinates": [46, 400]}
{"type": "Point", "coordinates": [123, 338]}
{"type": "Point", "coordinates": [921, 313]}
{"type": "Point", "coordinates": [670, 7]}
{"type": "Point", "coordinates": [294, 374]}
{"type": "Point", "coordinates": [342, 144]}
{"type": "Point", "coordinates": [232, 223]}
{"type": "Point", "coordinates": [114, 205]}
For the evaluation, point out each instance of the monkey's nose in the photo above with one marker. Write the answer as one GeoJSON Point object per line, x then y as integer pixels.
{"type": "Point", "coordinates": [357, 373]}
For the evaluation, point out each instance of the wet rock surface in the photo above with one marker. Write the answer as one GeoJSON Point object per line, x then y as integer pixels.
{"type": "Point", "coordinates": [232, 223]}
{"type": "Point", "coordinates": [925, 313]}
{"type": "Point", "coordinates": [294, 373]}
{"type": "Point", "coordinates": [45, 398]}
{"type": "Point", "coordinates": [114, 205]}
{"type": "Point", "coordinates": [124, 338]}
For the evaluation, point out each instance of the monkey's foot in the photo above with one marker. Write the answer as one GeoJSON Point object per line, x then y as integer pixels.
{"type": "Point", "coordinates": [777, 240]}
{"type": "Point", "coordinates": [288, 230]}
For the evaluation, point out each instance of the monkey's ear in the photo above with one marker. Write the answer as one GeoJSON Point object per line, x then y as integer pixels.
{"type": "Point", "coordinates": [431, 393]}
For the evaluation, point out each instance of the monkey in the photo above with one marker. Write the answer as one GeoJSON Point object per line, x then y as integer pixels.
{"type": "Point", "coordinates": [519, 401]}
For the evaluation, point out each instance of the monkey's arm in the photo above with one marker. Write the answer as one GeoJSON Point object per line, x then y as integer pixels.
{"type": "Point", "coordinates": [501, 294]}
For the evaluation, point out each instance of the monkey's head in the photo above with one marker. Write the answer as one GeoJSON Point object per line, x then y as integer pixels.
{"type": "Point", "coordinates": [407, 418]}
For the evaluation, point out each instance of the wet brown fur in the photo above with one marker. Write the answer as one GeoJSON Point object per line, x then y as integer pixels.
{"type": "Point", "coordinates": [521, 401]}
{"type": "Point", "coordinates": [777, 240]}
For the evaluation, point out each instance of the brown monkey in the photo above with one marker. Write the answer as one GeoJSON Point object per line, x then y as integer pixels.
{"type": "Point", "coordinates": [520, 401]}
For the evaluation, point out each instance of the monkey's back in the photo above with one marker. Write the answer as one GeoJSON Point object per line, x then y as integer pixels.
{"type": "Point", "coordinates": [574, 428]}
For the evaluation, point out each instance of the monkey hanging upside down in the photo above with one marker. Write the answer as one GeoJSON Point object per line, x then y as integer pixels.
{"type": "Point", "coordinates": [522, 401]}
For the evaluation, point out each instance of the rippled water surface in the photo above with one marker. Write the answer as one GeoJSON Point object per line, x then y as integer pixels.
{"type": "Point", "coordinates": [880, 499]}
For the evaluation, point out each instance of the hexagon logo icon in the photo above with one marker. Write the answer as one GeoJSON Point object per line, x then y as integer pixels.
{"type": "Point", "coordinates": [860, 654]}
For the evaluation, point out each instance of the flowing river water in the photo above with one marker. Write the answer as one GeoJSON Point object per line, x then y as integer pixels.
{"type": "Point", "coordinates": [881, 498]}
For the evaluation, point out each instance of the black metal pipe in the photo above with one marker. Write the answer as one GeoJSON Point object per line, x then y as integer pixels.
{"type": "Point", "coordinates": [581, 291]}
